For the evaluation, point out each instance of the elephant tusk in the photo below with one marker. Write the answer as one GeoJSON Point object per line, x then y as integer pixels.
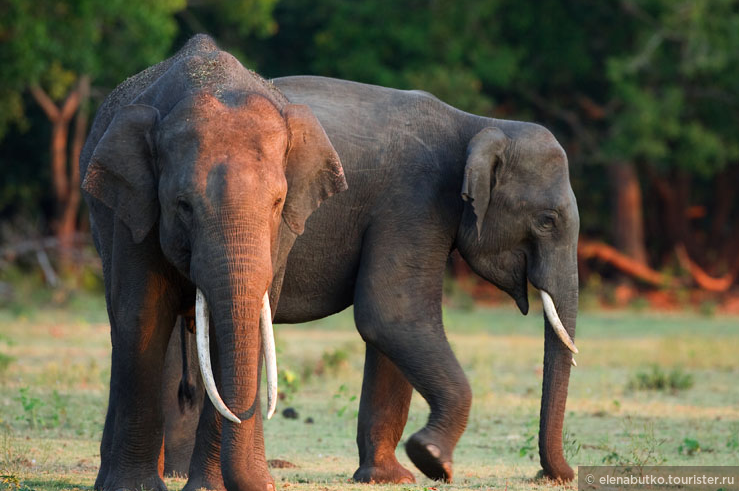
{"type": "Point", "coordinates": [551, 312]}
{"type": "Point", "coordinates": [574, 363]}
{"type": "Point", "coordinates": [270, 358]}
{"type": "Point", "coordinates": [202, 335]}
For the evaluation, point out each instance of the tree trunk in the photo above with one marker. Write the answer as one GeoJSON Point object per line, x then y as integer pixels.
{"type": "Point", "coordinates": [65, 171]}
{"type": "Point", "coordinates": [68, 221]}
{"type": "Point", "coordinates": [628, 214]}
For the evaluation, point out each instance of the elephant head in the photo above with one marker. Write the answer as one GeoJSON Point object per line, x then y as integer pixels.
{"type": "Point", "coordinates": [521, 223]}
{"type": "Point", "coordinates": [230, 178]}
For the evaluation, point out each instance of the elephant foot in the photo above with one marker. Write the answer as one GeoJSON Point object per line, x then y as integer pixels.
{"type": "Point", "coordinates": [197, 484]}
{"type": "Point", "coordinates": [429, 457]}
{"type": "Point", "coordinates": [132, 483]}
{"type": "Point", "coordinates": [193, 484]}
{"type": "Point", "coordinates": [384, 473]}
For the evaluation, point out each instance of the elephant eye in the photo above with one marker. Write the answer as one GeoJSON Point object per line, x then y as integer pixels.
{"type": "Point", "coordinates": [546, 222]}
{"type": "Point", "coordinates": [184, 211]}
{"type": "Point", "coordinates": [277, 204]}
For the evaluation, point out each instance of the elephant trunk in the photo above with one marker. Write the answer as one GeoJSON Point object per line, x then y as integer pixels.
{"type": "Point", "coordinates": [558, 358]}
{"type": "Point", "coordinates": [232, 268]}
{"type": "Point", "coordinates": [236, 313]}
{"type": "Point", "coordinates": [202, 317]}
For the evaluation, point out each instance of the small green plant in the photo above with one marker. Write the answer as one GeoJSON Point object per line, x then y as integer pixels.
{"type": "Point", "coordinates": [31, 406]}
{"type": "Point", "coordinates": [342, 396]}
{"type": "Point", "coordinates": [12, 483]}
{"type": "Point", "coordinates": [58, 409]}
{"type": "Point", "coordinates": [644, 447]}
{"type": "Point", "coordinates": [335, 360]}
{"type": "Point", "coordinates": [571, 445]}
{"type": "Point", "coordinates": [733, 441]}
{"type": "Point", "coordinates": [5, 361]}
{"type": "Point", "coordinates": [643, 450]}
{"type": "Point", "coordinates": [34, 413]}
{"type": "Point", "coordinates": [528, 448]}
{"type": "Point", "coordinates": [612, 458]}
{"type": "Point", "coordinates": [689, 447]}
{"type": "Point", "coordinates": [289, 383]}
{"type": "Point", "coordinates": [657, 379]}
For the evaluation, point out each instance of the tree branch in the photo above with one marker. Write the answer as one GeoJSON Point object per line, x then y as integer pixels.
{"type": "Point", "coordinates": [43, 100]}
{"type": "Point", "coordinates": [71, 102]}
{"type": "Point", "coordinates": [701, 278]}
{"type": "Point", "coordinates": [622, 262]}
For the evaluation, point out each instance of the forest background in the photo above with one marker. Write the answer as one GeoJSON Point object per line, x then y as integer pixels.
{"type": "Point", "coordinates": [642, 94]}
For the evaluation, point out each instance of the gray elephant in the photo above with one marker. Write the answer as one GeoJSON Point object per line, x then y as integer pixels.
{"type": "Point", "coordinates": [426, 179]}
{"type": "Point", "coordinates": [199, 175]}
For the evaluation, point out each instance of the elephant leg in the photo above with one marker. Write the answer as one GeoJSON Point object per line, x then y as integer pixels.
{"type": "Point", "coordinates": [397, 309]}
{"type": "Point", "coordinates": [205, 463]}
{"type": "Point", "coordinates": [182, 400]}
{"type": "Point", "coordinates": [383, 413]}
{"type": "Point", "coordinates": [137, 432]}
{"type": "Point", "coordinates": [106, 442]}
{"type": "Point", "coordinates": [144, 302]}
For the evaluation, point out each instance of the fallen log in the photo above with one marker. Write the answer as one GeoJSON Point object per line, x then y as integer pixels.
{"type": "Point", "coordinates": [701, 278]}
{"type": "Point", "coordinates": [631, 267]}
{"type": "Point", "coordinates": [625, 264]}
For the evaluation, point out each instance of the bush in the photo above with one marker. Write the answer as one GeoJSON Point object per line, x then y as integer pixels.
{"type": "Point", "coordinates": [657, 379]}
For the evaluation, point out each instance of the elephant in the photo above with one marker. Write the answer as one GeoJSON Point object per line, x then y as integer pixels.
{"type": "Point", "coordinates": [199, 175]}
{"type": "Point", "coordinates": [426, 179]}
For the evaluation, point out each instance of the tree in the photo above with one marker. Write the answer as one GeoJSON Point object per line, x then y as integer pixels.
{"type": "Point", "coordinates": [642, 94]}
{"type": "Point", "coordinates": [676, 110]}
{"type": "Point", "coordinates": [54, 50]}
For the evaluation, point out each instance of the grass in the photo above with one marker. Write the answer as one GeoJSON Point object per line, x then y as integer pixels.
{"type": "Point", "coordinates": [53, 393]}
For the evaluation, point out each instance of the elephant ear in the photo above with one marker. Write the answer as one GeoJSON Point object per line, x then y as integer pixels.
{"type": "Point", "coordinates": [485, 153]}
{"type": "Point", "coordinates": [122, 172]}
{"type": "Point", "coordinates": [313, 169]}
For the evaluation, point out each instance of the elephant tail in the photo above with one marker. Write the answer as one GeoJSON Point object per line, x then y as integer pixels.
{"type": "Point", "coordinates": [186, 390]}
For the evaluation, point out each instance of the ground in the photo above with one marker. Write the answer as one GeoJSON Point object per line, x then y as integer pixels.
{"type": "Point", "coordinates": [54, 369]}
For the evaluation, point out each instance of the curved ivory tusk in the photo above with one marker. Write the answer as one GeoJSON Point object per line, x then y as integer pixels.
{"type": "Point", "coordinates": [202, 334]}
{"type": "Point", "coordinates": [574, 363]}
{"type": "Point", "coordinates": [270, 358]}
{"type": "Point", "coordinates": [551, 312]}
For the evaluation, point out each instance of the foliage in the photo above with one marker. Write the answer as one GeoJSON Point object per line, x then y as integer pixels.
{"type": "Point", "coordinates": [288, 382]}
{"type": "Point", "coordinates": [657, 379]}
{"type": "Point", "coordinates": [529, 446]}
{"type": "Point", "coordinates": [650, 84]}
{"type": "Point", "coordinates": [643, 449]}
{"type": "Point", "coordinates": [733, 442]}
{"type": "Point", "coordinates": [229, 21]}
{"type": "Point", "coordinates": [334, 360]}
{"type": "Point", "coordinates": [5, 361]}
{"type": "Point", "coordinates": [344, 399]}
{"type": "Point", "coordinates": [12, 483]}
{"type": "Point", "coordinates": [689, 446]}
{"type": "Point", "coordinates": [51, 43]}
{"type": "Point", "coordinates": [31, 406]}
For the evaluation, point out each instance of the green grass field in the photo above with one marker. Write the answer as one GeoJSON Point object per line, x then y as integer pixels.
{"type": "Point", "coordinates": [54, 369]}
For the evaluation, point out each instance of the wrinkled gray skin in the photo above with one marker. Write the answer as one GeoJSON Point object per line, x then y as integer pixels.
{"type": "Point", "coordinates": [425, 179]}
{"type": "Point", "coordinates": [197, 173]}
